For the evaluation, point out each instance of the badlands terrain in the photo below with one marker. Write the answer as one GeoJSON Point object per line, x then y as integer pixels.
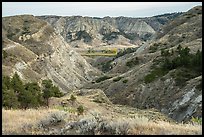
{"type": "Point", "coordinates": [129, 75]}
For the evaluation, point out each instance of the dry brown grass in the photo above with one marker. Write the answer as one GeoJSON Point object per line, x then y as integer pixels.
{"type": "Point", "coordinates": [14, 120]}
{"type": "Point", "coordinates": [165, 128]}
{"type": "Point", "coordinates": [18, 122]}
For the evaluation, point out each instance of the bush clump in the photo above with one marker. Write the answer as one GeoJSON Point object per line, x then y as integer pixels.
{"type": "Point", "coordinates": [132, 62]}
{"type": "Point", "coordinates": [103, 78]}
{"type": "Point", "coordinates": [52, 120]}
{"type": "Point", "coordinates": [154, 48]}
{"type": "Point", "coordinates": [125, 81]}
{"type": "Point", "coordinates": [154, 74]}
{"type": "Point", "coordinates": [80, 110]}
{"type": "Point", "coordinates": [117, 79]}
{"type": "Point", "coordinates": [72, 98]}
{"type": "Point", "coordinates": [125, 51]}
{"type": "Point", "coordinates": [106, 66]}
{"type": "Point", "coordinates": [97, 125]}
{"type": "Point", "coordinates": [83, 35]}
{"type": "Point", "coordinates": [5, 54]}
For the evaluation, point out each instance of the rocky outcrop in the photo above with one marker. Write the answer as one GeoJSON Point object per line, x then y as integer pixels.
{"type": "Point", "coordinates": [97, 31]}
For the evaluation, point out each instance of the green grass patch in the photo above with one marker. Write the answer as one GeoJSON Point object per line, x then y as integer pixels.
{"type": "Point", "coordinates": [196, 120]}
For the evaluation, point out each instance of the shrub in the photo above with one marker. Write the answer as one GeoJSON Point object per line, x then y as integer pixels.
{"type": "Point", "coordinates": [132, 62]}
{"type": "Point", "coordinates": [10, 100]}
{"type": "Point", "coordinates": [131, 36]}
{"type": "Point", "coordinates": [80, 110]}
{"type": "Point", "coordinates": [5, 54]}
{"type": "Point", "coordinates": [52, 120]}
{"type": "Point", "coordinates": [49, 90]}
{"type": "Point", "coordinates": [149, 78]}
{"type": "Point", "coordinates": [97, 125]}
{"type": "Point", "coordinates": [182, 75]}
{"type": "Point", "coordinates": [125, 51]}
{"type": "Point", "coordinates": [97, 100]}
{"type": "Point", "coordinates": [114, 35]}
{"type": "Point", "coordinates": [122, 128]}
{"type": "Point", "coordinates": [125, 81]}
{"type": "Point", "coordinates": [57, 92]}
{"type": "Point", "coordinates": [72, 98]}
{"type": "Point", "coordinates": [87, 126]}
{"type": "Point", "coordinates": [153, 48]}
{"type": "Point", "coordinates": [199, 86]}
{"type": "Point", "coordinates": [117, 79]}
{"type": "Point", "coordinates": [103, 78]}
{"type": "Point", "coordinates": [32, 94]}
{"type": "Point", "coordinates": [16, 83]}
{"type": "Point", "coordinates": [165, 53]}
{"type": "Point", "coordinates": [158, 72]}
{"type": "Point", "coordinates": [110, 36]}
{"type": "Point", "coordinates": [106, 66]}
{"type": "Point", "coordinates": [83, 35]}
{"type": "Point", "coordinates": [10, 35]}
{"type": "Point", "coordinates": [188, 65]}
{"type": "Point", "coordinates": [6, 82]}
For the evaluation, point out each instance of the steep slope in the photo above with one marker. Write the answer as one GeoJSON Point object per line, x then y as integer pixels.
{"type": "Point", "coordinates": [175, 92]}
{"type": "Point", "coordinates": [84, 31]}
{"type": "Point", "coordinates": [33, 49]}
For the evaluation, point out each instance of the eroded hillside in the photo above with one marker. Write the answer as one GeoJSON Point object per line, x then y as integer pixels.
{"type": "Point", "coordinates": [83, 32]}
{"type": "Point", "coordinates": [32, 48]}
{"type": "Point", "coordinates": [138, 79]}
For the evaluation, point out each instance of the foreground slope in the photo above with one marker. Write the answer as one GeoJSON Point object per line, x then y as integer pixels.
{"type": "Point", "coordinates": [100, 117]}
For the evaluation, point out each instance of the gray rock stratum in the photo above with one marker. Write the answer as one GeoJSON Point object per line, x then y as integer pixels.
{"type": "Point", "coordinates": [99, 31]}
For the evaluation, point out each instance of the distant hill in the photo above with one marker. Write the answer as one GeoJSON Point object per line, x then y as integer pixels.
{"type": "Point", "coordinates": [108, 30]}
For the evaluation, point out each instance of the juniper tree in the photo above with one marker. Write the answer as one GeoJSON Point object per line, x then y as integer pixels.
{"type": "Point", "coordinates": [49, 90]}
{"type": "Point", "coordinates": [16, 83]}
